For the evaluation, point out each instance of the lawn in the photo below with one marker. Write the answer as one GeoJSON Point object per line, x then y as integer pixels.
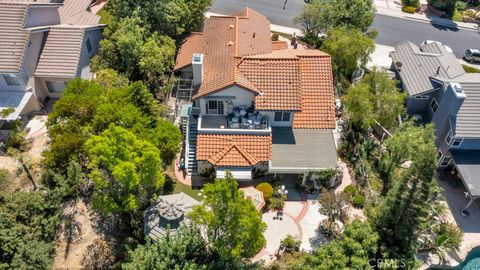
{"type": "Point", "coordinates": [173, 186]}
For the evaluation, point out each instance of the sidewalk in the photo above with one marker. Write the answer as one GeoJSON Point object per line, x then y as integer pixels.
{"type": "Point", "coordinates": [394, 8]}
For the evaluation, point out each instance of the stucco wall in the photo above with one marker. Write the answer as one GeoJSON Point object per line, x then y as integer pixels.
{"type": "Point", "coordinates": [242, 97]}
{"type": "Point", "coordinates": [203, 166]}
{"type": "Point", "coordinates": [32, 55]}
{"type": "Point", "coordinates": [94, 36]}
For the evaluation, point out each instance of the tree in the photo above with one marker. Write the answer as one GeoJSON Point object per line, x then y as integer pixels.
{"type": "Point", "coordinates": [125, 170]}
{"type": "Point", "coordinates": [98, 256]}
{"type": "Point", "coordinates": [185, 250]}
{"type": "Point", "coordinates": [266, 189]}
{"type": "Point", "coordinates": [25, 163]}
{"type": "Point", "coordinates": [374, 98]}
{"type": "Point", "coordinates": [353, 250]}
{"type": "Point", "coordinates": [401, 212]}
{"type": "Point", "coordinates": [174, 18]}
{"type": "Point", "coordinates": [349, 48]}
{"type": "Point", "coordinates": [401, 148]}
{"type": "Point", "coordinates": [28, 222]}
{"type": "Point", "coordinates": [166, 137]}
{"type": "Point", "coordinates": [333, 205]}
{"type": "Point", "coordinates": [320, 16]}
{"type": "Point", "coordinates": [233, 227]}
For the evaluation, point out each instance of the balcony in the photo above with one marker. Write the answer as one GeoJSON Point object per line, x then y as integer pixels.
{"type": "Point", "coordinates": [254, 123]}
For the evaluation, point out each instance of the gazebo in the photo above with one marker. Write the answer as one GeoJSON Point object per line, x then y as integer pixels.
{"type": "Point", "coordinates": [255, 195]}
{"type": "Point", "coordinates": [168, 213]}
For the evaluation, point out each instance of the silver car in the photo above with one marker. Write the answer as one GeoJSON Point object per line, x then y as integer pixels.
{"type": "Point", "coordinates": [472, 55]}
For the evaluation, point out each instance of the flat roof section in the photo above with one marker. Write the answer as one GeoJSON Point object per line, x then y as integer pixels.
{"type": "Point", "coordinates": [468, 166]}
{"type": "Point", "coordinates": [302, 150]}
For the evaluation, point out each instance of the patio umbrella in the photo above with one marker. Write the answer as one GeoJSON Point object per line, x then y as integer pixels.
{"type": "Point", "coordinates": [255, 195]}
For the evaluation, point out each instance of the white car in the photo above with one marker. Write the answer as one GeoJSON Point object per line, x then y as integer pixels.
{"type": "Point", "coordinates": [433, 41]}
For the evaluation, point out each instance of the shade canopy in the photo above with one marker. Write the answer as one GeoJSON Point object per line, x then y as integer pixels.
{"type": "Point", "coordinates": [255, 195]}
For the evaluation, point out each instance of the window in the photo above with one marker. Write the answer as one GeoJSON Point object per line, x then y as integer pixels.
{"type": "Point", "coordinates": [443, 161]}
{"type": "Point", "coordinates": [89, 46]}
{"type": "Point", "coordinates": [50, 86]}
{"type": "Point", "coordinates": [452, 141]}
{"type": "Point", "coordinates": [11, 79]}
{"type": "Point", "coordinates": [282, 117]}
{"type": "Point", "coordinates": [434, 105]}
{"type": "Point", "coordinates": [214, 107]}
{"type": "Point", "coordinates": [55, 87]}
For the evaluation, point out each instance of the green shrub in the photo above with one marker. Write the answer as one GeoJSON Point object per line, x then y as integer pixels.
{"type": "Point", "coordinates": [470, 69]}
{"type": "Point", "coordinates": [6, 112]}
{"type": "Point", "coordinates": [275, 36]}
{"type": "Point", "coordinates": [358, 201]}
{"type": "Point", "coordinates": [457, 16]}
{"type": "Point", "coordinates": [276, 203]}
{"type": "Point", "coordinates": [409, 9]}
{"type": "Point", "coordinates": [469, 13]}
{"type": "Point", "coordinates": [460, 5]}
{"type": "Point", "coordinates": [266, 189]}
{"type": "Point", "coordinates": [290, 243]}
{"type": "Point", "coordinates": [351, 189]}
{"type": "Point", "coordinates": [411, 3]}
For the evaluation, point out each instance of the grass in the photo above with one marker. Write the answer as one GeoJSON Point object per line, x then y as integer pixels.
{"type": "Point", "coordinates": [470, 69]}
{"type": "Point", "coordinates": [173, 186]}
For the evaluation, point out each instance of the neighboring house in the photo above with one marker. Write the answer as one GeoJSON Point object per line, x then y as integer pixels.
{"type": "Point", "coordinates": [258, 107]}
{"type": "Point", "coordinates": [440, 91]}
{"type": "Point", "coordinates": [42, 46]}
{"type": "Point", "coordinates": [167, 214]}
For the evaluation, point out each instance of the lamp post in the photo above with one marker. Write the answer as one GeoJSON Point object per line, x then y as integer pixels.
{"type": "Point", "coordinates": [283, 192]}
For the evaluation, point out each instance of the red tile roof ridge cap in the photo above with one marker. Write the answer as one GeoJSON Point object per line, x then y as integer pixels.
{"type": "Point", "coordinates": [236, 36]}
{"type": "Point", "coordinates": [222, 17]}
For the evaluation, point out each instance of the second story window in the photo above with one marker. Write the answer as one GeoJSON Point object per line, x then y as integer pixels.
{"type": "Point", "coordinates": [89, 46]}
{"type": "Point", "coordinates": [434, 105]}
{"type": "Point", "coordinates": [443, 161]}
{"type": "Point", "coordinates": [11, 79]}
{"type": "Point", "coordinates": [282, 117]}
{"type": "Point", "coordinates": [452, 141]}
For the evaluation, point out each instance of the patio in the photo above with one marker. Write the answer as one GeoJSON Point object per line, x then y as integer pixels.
{"type": "Point", "coordinates": [252, 121]}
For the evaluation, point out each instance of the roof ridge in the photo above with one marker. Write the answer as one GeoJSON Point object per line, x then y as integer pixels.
{"type": "Point", "coordinates": [250, 158]}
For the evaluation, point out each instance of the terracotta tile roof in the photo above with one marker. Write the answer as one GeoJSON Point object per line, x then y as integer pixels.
{"type": "Point", "coordinates": [238, 51]}
{"type": "Point", "coordinates": [279, 45]}
{"type": "Point", "coordinates": [316, 79]}
{"type": "Point", "coordinates": [234, 150]}
{"type": "Point", "coordinates": [193, 44]}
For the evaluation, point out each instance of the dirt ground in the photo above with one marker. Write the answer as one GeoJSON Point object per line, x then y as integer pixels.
{"type": "Point", "coordinates": [77, 232]}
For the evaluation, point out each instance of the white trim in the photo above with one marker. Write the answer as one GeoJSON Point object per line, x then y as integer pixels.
{"type": "Point", "coordinates": [423, 97]}
{"type": "Point", "coordinates": [456, 146]}
{"type": "Point", "coordinates": [431, 102]}
{"type": "Point", "coordinates": [442, 159]}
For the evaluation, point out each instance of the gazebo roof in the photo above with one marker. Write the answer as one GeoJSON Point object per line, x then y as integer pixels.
{"type": "Point", "coordinates": [255, 195]}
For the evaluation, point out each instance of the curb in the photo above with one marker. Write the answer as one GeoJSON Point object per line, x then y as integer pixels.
{"type": "Point", "coordinates": [433, 22]}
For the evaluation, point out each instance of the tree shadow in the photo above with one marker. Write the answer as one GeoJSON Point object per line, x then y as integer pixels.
{"type": "Point", "coordinates": [72, 228]}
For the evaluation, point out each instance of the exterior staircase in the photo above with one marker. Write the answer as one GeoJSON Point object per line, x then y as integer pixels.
{"type": "Point", "coordinates": [191, 155]}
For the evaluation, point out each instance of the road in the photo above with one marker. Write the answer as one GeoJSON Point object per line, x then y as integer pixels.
{"type": "Point", "coordinates": [391, 30]}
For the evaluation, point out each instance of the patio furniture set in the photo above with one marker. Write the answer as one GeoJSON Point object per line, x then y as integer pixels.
{"type": "Point", "coordinates": [241, 117]}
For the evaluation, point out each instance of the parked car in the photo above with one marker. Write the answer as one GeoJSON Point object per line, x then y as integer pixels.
{"type": "Point", "coordinates": [433, 41]}
{"type": "Point", "coordinates": [472, 55]}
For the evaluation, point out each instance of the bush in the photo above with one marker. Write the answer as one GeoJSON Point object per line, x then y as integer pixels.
{"type": "Point", "coordinates": [16, 137]}
{"type": "Point", "coordinates": [460, 5]}
{"type": "Point", "coordinates": [275, 37]}
{"type": "Point", "coordinates": [290, 243]}
{"type": "Point", "coordinates": [470, 69]}
{"type": "Point", "coordinates": [358, 201]}
{"type": "Point", "coordinates": [351, 189]}
{"type": "Point", "coordinates": [409, 9]}
{"type": "Point", "coordinates": [411, 3]}
{"type": "Point", "coordinates": [266, 189]}
{"type": "Point", "coordinates": [276, 203]}
{"type": "Point", "coordinates": [457, 16]}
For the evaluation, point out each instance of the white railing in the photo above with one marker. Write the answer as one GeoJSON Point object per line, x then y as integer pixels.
{"type": "Point", "coordinates": [233, 131]}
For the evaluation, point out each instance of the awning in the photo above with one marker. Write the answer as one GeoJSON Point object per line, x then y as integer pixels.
{"type": "Point", "coordinates": [296, 151]}
{"type": "Point", "coordinates": [13, 100]}
{"type": "Point", "coordinates": [255, 195]}
{"type": "Point", "coordinates": [468, 166]}
{"type": "Point", "coordinates": [239, 173]}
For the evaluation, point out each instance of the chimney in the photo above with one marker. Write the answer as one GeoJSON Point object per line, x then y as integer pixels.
{"type": "Point", "coordinates": [197, 69]}
{"type": "Point", "coordinates": [449, 105]}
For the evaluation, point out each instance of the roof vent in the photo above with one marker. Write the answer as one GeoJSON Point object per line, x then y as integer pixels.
{"type": "Point", "coordinates": [231, 26]}
{"type": "Point", "coordinates": [230, 43]}
{"type": "Point", "coordinates": [253, 35]}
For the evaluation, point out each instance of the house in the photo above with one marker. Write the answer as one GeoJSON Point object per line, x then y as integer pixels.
{"type": "Point", "coordinates": [440, 91]}
{"type": "Point", "coordinates": [43, 46]}
{"type": "Point", "coordinates": [257, 106]}
{"type": "Point", "coordinates": [167, 214]}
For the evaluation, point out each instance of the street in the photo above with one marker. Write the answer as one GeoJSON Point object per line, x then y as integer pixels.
{"type": "Point", "coordinates": [391, 30]}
